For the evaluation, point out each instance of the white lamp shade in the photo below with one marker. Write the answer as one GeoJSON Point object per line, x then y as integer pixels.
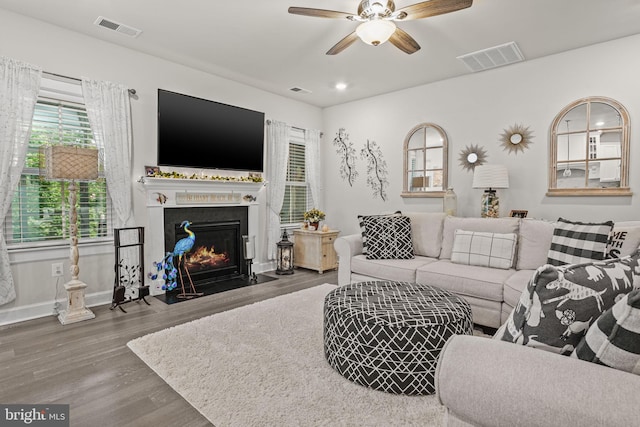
{"type": "Point", "coordinates": [376, 31]}
{"type": "Point", "coordinates": [490, 176]}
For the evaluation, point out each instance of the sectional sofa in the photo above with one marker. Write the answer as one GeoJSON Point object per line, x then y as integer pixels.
{"type": "Point", "coordinates": [491, 292]}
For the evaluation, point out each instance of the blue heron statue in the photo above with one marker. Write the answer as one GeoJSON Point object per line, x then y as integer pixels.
{"type": "Point", "coordinates": [171, 271]}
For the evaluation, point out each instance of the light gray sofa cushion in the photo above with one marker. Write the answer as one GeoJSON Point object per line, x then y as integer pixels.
{"type": "Point", "coordinates": [534, 240]}
{"type": "Point", "coordinates": [491, 225]}
{"type": "Point", "coordinates": [426, 231]}
{"type": "Point", "coordinates": [514, 286]}
{"type": "Point", "coordinates": [403, 270]}
{"type": "Point", "coordinates": [465, 280]}
{"type": "Point", "coordinates": [492, 383]}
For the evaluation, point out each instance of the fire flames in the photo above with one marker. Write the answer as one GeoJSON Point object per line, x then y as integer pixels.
{"type": "Point", "coordinates": [204, 258]}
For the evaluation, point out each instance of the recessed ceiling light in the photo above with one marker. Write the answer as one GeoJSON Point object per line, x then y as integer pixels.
{"type": "Point", "coordinates": [600, 124]}
{"type": "Point", "coordinates": [341, 86]}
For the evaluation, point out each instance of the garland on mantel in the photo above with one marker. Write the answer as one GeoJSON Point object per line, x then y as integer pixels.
{"type": "Point", "coordinates": [177, 175]}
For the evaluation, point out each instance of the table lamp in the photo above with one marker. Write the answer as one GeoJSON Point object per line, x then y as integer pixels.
{"type": "Point", "coordinates": [490, 177]}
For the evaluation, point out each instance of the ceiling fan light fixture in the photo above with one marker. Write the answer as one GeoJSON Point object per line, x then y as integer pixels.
{"type": "Point", "coordinates": [376, 31]}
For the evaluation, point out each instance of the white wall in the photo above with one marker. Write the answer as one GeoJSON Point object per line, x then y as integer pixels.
{"type": "Point", "coordinates": [475, 109]}
{"type": "Point", "coordinates": [63, 52]}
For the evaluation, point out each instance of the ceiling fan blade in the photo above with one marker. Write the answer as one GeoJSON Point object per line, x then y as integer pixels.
{"type": "Point", "coordinates": [320, 13]}
{"type": "Point", "coordinates": [432, 8]}
{"type": "Point", "coordinates": [343, 44]}
{"type": "Point", "coordinates": [403, 41]}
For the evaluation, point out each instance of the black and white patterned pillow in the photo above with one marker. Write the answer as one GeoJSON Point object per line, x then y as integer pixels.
{"type": "Point", "coordinates": [363, 230]}
{"type": "Point", "coordinates": [578, 242]}
{"type": "Point", "coordinates": [614, 340]}
{"type": "Point", "coordinates": [560, 303]}
{"type": "Point", "coordinates": [387, 237]}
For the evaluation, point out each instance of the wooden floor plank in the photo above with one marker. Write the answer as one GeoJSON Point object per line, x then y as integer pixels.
{"type": "Point", "coordinates": [88, 366]}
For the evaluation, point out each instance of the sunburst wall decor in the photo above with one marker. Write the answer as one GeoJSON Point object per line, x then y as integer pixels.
{"type": "Point", "coordinates": [516, 138]}
{"type": "Point", "coordinates": [472, 156]}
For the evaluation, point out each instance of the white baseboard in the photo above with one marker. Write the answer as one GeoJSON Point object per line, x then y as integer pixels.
{"type": "Point", "coordinates": [35, 311]}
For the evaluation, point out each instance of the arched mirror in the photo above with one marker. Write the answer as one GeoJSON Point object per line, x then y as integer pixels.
{"type": "Point", "coordinates": [589, 150]}
{"type": "Point", "coordinates": [425, 161]}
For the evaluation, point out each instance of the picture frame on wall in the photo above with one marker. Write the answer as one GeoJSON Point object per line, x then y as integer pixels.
{"type": "Point", "coordinates": [516, 213]}
{"type": "Point", "coordinates": [151, 170]}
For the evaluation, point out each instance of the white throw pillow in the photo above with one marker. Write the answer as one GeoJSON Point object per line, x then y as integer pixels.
{"type": "Point", "coordinates": [623, 240]}
{"type": "Point", "coordinates": [488, 225]}
{"type": "Point", "coordinates": [484, 249]}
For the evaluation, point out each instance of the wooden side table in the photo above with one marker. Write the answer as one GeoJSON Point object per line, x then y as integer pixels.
{"type": "Point", "coordinates": [314, 250]}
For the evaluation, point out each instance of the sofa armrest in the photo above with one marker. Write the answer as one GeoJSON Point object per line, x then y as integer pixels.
{"type": "Point", "coordinates": [483, 381]}
{"type": "Point", "coordinates": [346, 248]}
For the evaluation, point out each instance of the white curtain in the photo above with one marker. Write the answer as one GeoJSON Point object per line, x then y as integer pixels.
{"type": "Point", "coordinates": [312, 163]}
{"type": "Point", "coordinates": [277, 157]}
{"type": "Point", "coordinates": [19, 87]}
{"type": "Point", "coordinates": [109, 112]}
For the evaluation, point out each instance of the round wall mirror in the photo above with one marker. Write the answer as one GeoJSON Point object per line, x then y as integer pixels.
{"type": "Point", "coordinates": [516, 138]}
{"type": "Point", "coordinates": [472, 156]}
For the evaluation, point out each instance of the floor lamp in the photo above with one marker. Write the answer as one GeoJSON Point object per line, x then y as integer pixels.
{"type": "Point", "coordinates": [69, 163]}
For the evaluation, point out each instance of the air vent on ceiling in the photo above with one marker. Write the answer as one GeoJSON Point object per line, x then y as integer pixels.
{"type": "Point", "coordinates": [117, 27]}
{"type": "Point", "coordinates": [492, 57]}
{"type": "Point", "coordinates": [299, 90]}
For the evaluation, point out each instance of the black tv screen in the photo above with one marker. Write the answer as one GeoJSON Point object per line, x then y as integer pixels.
{"type": "Point", "coordinates": [198, 133]}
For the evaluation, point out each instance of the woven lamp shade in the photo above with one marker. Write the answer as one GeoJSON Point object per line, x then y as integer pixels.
{"type": "Point", "coordinates": [72, 163]}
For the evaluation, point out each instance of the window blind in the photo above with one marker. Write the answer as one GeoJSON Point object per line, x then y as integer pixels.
{"type": "Point", "coordinates": [296, 194]}
{"type": "Point", "coordinates": [39, 210]}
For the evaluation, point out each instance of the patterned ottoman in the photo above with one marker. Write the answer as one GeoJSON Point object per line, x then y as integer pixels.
{"type": "Point", "coordinates": [388, 335]}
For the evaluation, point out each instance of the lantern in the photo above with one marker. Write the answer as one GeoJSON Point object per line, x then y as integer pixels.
{"type": "Point", "coordinates": [249, 251]}
{"type": "Point", "coordinates": [284, 256]}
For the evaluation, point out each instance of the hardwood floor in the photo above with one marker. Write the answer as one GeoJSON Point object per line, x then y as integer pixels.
{"type": "Point", "coordinates": [88, 365]}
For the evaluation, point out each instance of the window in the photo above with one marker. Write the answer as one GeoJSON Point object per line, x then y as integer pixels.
{"type": "Point", "coordinates": [296, 193]}
{"type": "Point", "coordinates": [589, 153]}
{"type": "Point", "coordinates": [425, 161]}
{"type": "Point", "coordinates": [39, 210]}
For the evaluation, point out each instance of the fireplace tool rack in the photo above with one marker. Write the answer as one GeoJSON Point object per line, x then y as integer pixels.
{"type": "Point", "coordinates": [128, 276]}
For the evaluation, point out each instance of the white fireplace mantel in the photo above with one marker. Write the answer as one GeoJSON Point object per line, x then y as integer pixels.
{"type": "Point", "coordinates": [171, 193]}
{"type": "Point", "coordinates": [167, 192]}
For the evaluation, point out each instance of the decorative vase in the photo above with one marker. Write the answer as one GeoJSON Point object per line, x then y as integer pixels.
{"type": "Point", "coordinates": [490, 204]}
{"type": "Point", "coordinates": [314, 225]}
{"type": "Point", "coordinates": [450, 202]}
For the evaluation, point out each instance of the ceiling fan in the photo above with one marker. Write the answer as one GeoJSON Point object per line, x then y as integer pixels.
{"type": "Point", "coordinates": [377, 18]}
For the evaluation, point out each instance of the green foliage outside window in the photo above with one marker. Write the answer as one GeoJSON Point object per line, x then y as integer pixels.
{"type": "Point", "coordinates": [40, 210]}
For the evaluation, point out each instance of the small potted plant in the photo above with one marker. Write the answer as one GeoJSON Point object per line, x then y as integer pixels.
{"type": "Point", "coordinates": [313, 217]}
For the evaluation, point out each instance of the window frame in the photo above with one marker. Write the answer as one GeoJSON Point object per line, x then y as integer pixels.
{"type": "Point", "coordinates": [623, 189]}
{"type": "Point", "coordinates": [296, 137]}
{"type": "Point", "coordinates": [66, 92]}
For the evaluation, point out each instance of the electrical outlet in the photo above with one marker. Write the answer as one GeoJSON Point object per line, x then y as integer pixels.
{"type": "Point", "coordinates": [56, 269]}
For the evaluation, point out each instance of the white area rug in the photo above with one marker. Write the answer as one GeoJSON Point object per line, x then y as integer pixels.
{"type": "Point", "coordinates": [263, 365]}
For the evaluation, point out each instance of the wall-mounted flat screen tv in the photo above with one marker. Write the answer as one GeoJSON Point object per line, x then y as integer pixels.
{"type": "Point", "coordinates": [198, 133]}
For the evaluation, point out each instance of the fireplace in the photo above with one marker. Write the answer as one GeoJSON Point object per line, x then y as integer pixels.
{"type": "Point", "coordinates": [217, 254]}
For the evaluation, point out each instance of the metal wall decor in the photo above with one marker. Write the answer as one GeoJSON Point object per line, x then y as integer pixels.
{"type": "Point", "coordinates": [347, 153]}
{"type": "Point", "coordinates": [472, 156]}
{"type": "Point", "coordinates": [376, 169]}
{"type": "Point", "coordinates": [516, 138]}
{"type": "Point", "coordinates": [129, 267]}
